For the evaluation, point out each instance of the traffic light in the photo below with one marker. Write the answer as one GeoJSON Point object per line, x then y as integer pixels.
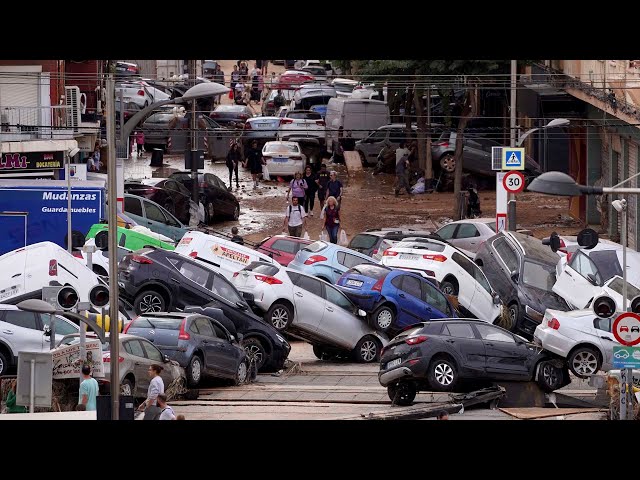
{"type": "Point", "coordinates": [99, 296]}
{"type": "Point", "coordinates": [635, 304]}
{"type": "Point", "coordinates": [604, 306]}
{"type": "Point", "coordinates": [67, 298]}
{"type": "Point", "coordinates": [553, 241]}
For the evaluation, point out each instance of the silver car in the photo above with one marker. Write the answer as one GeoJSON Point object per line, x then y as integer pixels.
{"type": "Point", "coordinates": [468, 234]}
{"type": "Point", "coordinates": [136, 356]}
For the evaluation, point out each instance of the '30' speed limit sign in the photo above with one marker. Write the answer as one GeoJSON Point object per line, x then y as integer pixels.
{"type": "Point", "coordinates": [513, 182]}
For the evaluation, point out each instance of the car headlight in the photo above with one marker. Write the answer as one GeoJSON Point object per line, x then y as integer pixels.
{"type": "Point", "coordinates": [534, 314]}
{"type": "Point", "coordinates": [280, 338]}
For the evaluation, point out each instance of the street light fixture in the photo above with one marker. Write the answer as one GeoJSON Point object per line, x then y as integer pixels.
{"type": "Point", "coordinates": [556, 122]}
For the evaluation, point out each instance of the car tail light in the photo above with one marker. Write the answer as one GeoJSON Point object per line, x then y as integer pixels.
{"type": "Point", "coordinates": [268, 280]}
{"type": "Point", "coordinates": [314, 259]}
{"type": "Point", "coordinates": [235, 274]}
{"type": "Point", "coordinates": [320, 122]}
{"type": "Point", "coordinates": [284, 121]}
{"type": "Point", "coordinates": [435, 258]}
{"type": "Point", "coordinates": [141, 93]}
{"type": "Point", "coordinates": [53, 268]}
{"type": "Point", "coordinates": [247, 126]}
{"type": "Point", "coordinates": [441, 144]}
{"type": "Point", "coordinates": [106, 358]}
{"type": "Point", "coordinates": [193, 254]}
{"type": "Point", "coordinates": [183, 335]}
{"type": "Point", "coordinates": [77, 254]}
{"type": "Point", "coordinates": [378, 285]}
{"type": "Point", "coordinates": [553, 323]}
{"type": "Point", "coordinates": [389, 253]}
{"type": "Point", "coordinates": [141, 259]}
{"type": "Point", "coordinates": [416, 340]}
{"type": "Point", "coordinates": [296, 158]}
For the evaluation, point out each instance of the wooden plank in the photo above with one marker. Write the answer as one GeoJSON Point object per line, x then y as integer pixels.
{"type": "Point", "coordinates": [537, 412]}
{"type": "Point", "coordinates": [353, 162]}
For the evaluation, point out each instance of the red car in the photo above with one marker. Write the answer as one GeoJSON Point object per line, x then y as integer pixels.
{"type": "Point", "coordinates": [293, 78]}
{"type": "Point", "coordinates": [283, 247]}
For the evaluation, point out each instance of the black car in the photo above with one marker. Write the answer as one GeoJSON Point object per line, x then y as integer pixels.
{"type": "Point", "coordinates": [157, 280]}
{"type": "Point", "coordinates": [232, 114]}
{"type": "Point", "coordinates": [201, 345]}
{"type": "Point", "coordinates": [259, 339]}
{"type": "Point", "coordinates": [522, 271]}
{"type": "Point", "coordinates": [170, 194]}
{"type": "Point", "coordinates": [215, 197]}
{"type": "Point", "coordinates": [370, 242]}
{"type": "Point", "coordinates": [439, 354]}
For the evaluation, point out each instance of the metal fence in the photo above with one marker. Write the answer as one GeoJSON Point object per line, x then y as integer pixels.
{"type": "Point", "coordinates": [31, 123]}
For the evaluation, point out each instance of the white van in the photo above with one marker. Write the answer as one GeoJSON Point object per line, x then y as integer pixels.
{"type": "Point", "coordinates": [218, 253]}
{"type": "Point", "coordinates": [25, 271]}
{"type": "Point", "coordinates": [356, 115]}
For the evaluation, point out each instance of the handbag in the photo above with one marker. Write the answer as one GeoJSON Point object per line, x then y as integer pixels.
{"type": "Point", "coordinates": [265, 173]}
{"type": "Point", "coordinates": [344, 241]}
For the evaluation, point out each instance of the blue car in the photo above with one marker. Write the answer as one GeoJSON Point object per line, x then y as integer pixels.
{"type": "Point", "coordinates": [395, 298]}
{"type": "Point", "coordinates": [327, 260]}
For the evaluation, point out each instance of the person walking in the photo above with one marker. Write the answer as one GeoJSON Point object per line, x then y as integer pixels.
{"type": "Point", "coordinates": [402, 173]}
{"type": "Point", "coordinates": [140, 142]}
{"type": "Point", "coordinates": [156, 387]}
{"type": "Point", "coordinates": [334, 187]}
{"type": "Point", "coordinates": [254, 161]}
{"type": "Point", "coordinates": [322, 181]}
{"type": "Point", "coordinates": [88, 389]}
{"type": "Point", "coordinates": [11, 399]}
{"type": "Point", "coordinates": [236, 238]}
{"type": "Point", "coordinates": [297, 188]}
{"type": "Point", "coordinates": [166, 412]}
{"type": "Point", "coordinates": [233, 158]}
{"type": "Point", "coordinates": [331, 215]}
{"type": "Point", "coordinates": [295, 219]}
{"type": "Point", "coordinates": [235, 78]}
{"type": "Point", "coordinates": [310, 194]}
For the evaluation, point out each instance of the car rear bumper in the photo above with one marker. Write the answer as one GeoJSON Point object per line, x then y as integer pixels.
{"type": "Point", "coordinates": [287, 169]}
{"type": "Point", "coordinates": [552, 341]}
{"type": "Point", "coordinates": [393, 375]}
{"type": "Point", "coordinates": [366, 302]}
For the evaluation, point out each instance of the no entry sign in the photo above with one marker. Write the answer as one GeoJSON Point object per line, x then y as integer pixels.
{"type": "Point", "coordinates": [513, 182]}
{"type": "Point", "coordinates": [626, 329]}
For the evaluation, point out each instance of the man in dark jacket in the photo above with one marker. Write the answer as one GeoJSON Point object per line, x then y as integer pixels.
{"type": "Point", "coordinates": [254, 161]}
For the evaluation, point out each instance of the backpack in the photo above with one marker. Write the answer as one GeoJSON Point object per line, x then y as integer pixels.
{"type": "Point", "coordinates": [299, 210]}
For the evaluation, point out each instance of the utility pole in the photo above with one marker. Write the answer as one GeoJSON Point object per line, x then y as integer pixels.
{"type": "Point", "coordinates": [511, 198]}
{"type": "Point", "coordinates": [429, 172]}
{"type": "Point", "coordinates": [194, 135]}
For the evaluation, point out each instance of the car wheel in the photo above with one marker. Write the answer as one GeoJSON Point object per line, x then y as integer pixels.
{"type": "Point", "coordinates": [319, 352]}
{"type": "Point", "coordinates": [449, 288]}
{"type": "Point", "coordinates": [127, 387]}
{"type": "Point", "coordinates": [448, 163]}
{"type": "Point", "coordinates": [194, 371]}
{"type": "Point", "coordinates": [241, 373]}
{"type": "Point", "coordinates": [280, 316]}
{"type": "Point", "coordinates": [513, 313]}
{"type": "Point", "coordinates": [254, 349]}
{"type": "Point", "coordinates": [402, 393]}
{"type": "Point", "coordinates": [210, 212]}
{"type": "Point", "coordinates": [550, 377]}
{"type": "Point", "coordinates": [383, 318]}
{"type": "Point", "coordinates": [584, 361]}
{"type": "Point", "coordinates": [4, 364]}
{"type": "Point", "coordinates": [442, 375]}
{"type": "Point", "coordinates": [149, 301]}
{"type": "Point", "coordinates": [367, 350]}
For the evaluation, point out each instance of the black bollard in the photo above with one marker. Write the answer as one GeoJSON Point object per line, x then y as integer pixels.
{"type": "Point", "coordinates": [156, 158]}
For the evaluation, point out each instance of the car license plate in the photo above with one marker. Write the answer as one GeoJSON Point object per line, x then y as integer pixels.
{"type": "Point", "coordinates": [280, 159]}
{"type": "Point", "coordinates": [8, 292]}
{"type": "Point", "coordinates": [354, 283]}
{"type": "Point", "coordinates": [263, 124]}
{"type": "Point", "coordinates": [404, 256]}
{"type": "Point", "coordinates": [394, 363]}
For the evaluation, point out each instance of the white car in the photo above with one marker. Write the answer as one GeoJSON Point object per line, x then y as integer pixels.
{"type": "Point", "coordinates": [581, 337]}
{"type": "Point", "coordinates": [344, 86]}
{"type": "Point", "coordinates": [302, 125]}
{"type": "Point", "coordinates": [583, 274]}
{"type": "Point", "coordinates": [468, 234]}
{"type": "Point", "coordinates": [135, 92]}
{"type": "Point", "coordinates": [454, 272]}
{"type": "Point", "coordinates": [100, 259]}
{"type": "Point", "coordinates": [311, 309]}
{"type": "Point", "coordinates": [284, 158]}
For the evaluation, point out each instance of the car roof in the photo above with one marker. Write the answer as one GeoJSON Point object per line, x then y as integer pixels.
{"type": "Point", "coordinates": [175, 315]}
{"type": "Point", "coordinates": [387, 231]}
{"type": "Point", "coordinates": [474, 220]}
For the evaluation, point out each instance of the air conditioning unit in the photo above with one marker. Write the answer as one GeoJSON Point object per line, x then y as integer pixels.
{"type": "Point", "coordinates": [74, 108]}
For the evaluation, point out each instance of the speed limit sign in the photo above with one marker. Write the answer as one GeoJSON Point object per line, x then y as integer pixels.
{"type": "Point", "coordinates": [513, 182]}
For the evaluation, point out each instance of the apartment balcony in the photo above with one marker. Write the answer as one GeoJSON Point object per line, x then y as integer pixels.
{"type": "Point", "coordinates": [57, 122]}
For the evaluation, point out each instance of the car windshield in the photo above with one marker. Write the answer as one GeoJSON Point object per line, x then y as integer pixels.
{"type": "Point", "coordinates": [371, 271]}
{"type": "Point", "coordinates": [157, 323]}
{"type": "Point", "coordinates": [617, 283]}
{"type": "Point", "coordinates": [280, 148]}
{"type": "Point", "coordinates": [304, 115]}
{"type": "Point", "coordinates": [539, 276]}
{"type": "Point", "coordinates": [363, 241]}
{"type": "Point", "coordinates": [422, 245]}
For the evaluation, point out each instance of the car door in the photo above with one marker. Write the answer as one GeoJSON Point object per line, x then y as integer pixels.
{"type": "Point", "coordinates": [506, 357]}
{"type": "Point", "coordinates": [231, 356]}
{"type": "Point", "coordinates": [140, 367]}
{"type": "Point", "coordinates": [156, 219]}
{"type": "Point", "coordinates": [468, 346]}
{"type": "Point", "coordinates": [155, 356]}
{"type": "Point", "coordinates": [573, 283]}
{"type": "Point", "coordinates": [372, 145]}
{"type": "Point", "coordinates": [215, 347]}
{"type": "Point", "coordinates": [339, 324]}
{"type": "Point", "coordinates": [22, 331]}
{"type": "Point", "coordinates": [309, 302]}
{"type": "Point", "coordinates": [192, 282]}
{"type": "Point", "coordinates": [506, 262]}
{"type": "Point", "coordinates": [133, 208]}
{"type": "Point", "coordinates": [466, 280]}
{"type": "Point", "coordinates": [409, 297]}
{"type": "Point", "coordinates": [466, 237]}
{"type": "Point", "coordinates": [230, 300]}
{"type": "Point", "coordinates": [483, 296]}
{"type": "Point", "coordinates": [436, 304]}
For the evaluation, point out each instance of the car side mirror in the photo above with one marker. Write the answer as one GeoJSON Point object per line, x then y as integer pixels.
{"type": "Point", "coordinates": [592, 279]}
{"type": "Point", "coordinates": [232, 339]}
{"type": "Point", "coordinates": [496, 299]}
{"type": "Point", "coordinates": [166, 358]}
{"type": "Point", "coordinates": [515, 276]}
{"type": "Point", "coordinates": [241, 306]}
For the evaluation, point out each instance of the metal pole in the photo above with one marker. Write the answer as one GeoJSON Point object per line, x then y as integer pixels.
{"type": "Point", "coordinates": [511, 198]}
{"type": "Point", "coordinates": [623, 393]}
{"type": "Point", "coordinates": [194, 135]}
{"type": "Point", "coordinates": [32, 388]}
{"type": "Point", "coordinates": [624, 255]}
{"type": "Point", "coordinates": [52, 332]}
{"type": "Point", "coordinates": [69, 242]}
{"type": "Point", "coordinates": [83, 346]}
{"type": "Point", "coordinates": [630, 409]}
{"type": "Point", "coordinates": [113, 248]}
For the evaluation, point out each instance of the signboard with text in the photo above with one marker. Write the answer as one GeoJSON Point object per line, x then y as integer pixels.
{"type": "Point", "coordinates": [67, 362]}
{"type": "Point", "coordinates": [26, 161]}
{"type": "Point", "coordinates": [626, 357]}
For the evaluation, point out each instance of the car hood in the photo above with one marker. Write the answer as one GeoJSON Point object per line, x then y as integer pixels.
{"type": "Point", "coordinates": [540, 300]}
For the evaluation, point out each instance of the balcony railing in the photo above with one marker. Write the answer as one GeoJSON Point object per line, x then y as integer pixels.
{"type": "Point", "coordinates": [37, 123]}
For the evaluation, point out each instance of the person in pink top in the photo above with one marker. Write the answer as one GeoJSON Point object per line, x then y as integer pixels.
{"type": "Point", "coordinates": [140, 142]}
{"type": "Point", "coordinates": [297, 188]}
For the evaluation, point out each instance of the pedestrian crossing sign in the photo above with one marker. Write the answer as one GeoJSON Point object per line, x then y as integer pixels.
{"type": "Point", "coordinates": [512, 158]}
